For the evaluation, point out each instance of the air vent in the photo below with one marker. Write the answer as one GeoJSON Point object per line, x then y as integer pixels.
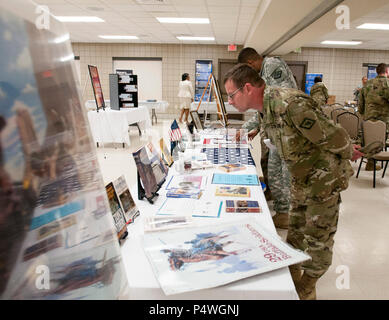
{"type": "Point", "coordinates": [95, 8]}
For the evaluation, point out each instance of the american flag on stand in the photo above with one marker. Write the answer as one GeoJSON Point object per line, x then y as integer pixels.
{"type": "Point", "coordinates": [175, 132]}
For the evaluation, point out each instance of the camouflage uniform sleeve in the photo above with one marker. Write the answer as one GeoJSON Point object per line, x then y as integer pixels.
{"type": "Point", "coordinates": [318, 129]}
{"type": "Point", "coordinates": [325, 90]}
{"type": "Point", "coordinates": [361, 102]}
{"type": "Point", "coordinates": [276, 73]}
{"type": "Point", "coordinates": [253, 123]}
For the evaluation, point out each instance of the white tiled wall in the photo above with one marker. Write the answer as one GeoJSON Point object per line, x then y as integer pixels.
{"type": "Point", "coordinates": [342, 68]}
{"type": "Point", "coordinates": [176, 60]}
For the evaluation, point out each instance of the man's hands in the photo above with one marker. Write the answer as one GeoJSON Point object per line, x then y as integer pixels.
{"type": "Point", "coordinates": [253, 133]}
{"type": "Point", "coordinates": [356, 153]}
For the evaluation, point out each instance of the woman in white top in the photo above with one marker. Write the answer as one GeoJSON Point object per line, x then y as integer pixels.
{"type": "Point", "coordinates": [185, 94]}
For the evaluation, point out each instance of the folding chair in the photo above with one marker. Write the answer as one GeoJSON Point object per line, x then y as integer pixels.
{"type": "Point", "coordinates": [336, 112]}
{"type": "Point", "coordinates": [375, 131]}
{"type": "Point", "coordinates": [350, 122]}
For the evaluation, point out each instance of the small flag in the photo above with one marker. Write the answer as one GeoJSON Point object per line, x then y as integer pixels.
{"type": "Point", "coordinates": [175, 132]}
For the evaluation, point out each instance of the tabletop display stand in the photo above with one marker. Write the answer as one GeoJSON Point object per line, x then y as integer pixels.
{"type": "Point", "coordinates": [142, 193]}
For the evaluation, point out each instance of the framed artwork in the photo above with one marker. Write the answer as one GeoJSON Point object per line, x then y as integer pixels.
{"type": "Point", "coordinates": [196, 120]}
{"type": "Point", "coordinates": [97, 90]}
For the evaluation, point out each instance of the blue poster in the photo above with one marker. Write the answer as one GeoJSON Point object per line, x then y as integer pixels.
{"type": "Point", "coordinates": [371, 72]}
{"type": "Point", "coordinates": [203, 71]}
{"type": "Point", "coordinates": [310, 81]}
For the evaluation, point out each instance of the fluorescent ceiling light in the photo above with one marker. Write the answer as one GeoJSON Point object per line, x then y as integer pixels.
{"type": "Point", "coordinates": [196, 38]}
{"type": "Point", "coordinates": [119, 37]}
{"type": "Point", "coordinates": [345, 43]}
{"type": "Point", "coordinates": [374, 26]}
{"type": "Point", "coordinates": [184, 20]}
{"type": "Point", "coordinates": [79, 19]}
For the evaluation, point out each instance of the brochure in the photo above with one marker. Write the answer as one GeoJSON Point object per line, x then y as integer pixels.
{"type": "Point", "coordinates": [235, 179]}
{"type": "Point", "coordinates": [228, 191]}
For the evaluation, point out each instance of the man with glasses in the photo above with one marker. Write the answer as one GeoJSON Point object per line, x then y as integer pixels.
{"type": "Point", "coordinates": [317, 153]}
{"type": "Point", "coordinates": [275, 72]}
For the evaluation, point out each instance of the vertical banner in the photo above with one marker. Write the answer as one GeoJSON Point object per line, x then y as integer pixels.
{"type": "Point", "coordinates": [203, 71]}
{"type": "Point", "coordinates": [310, 81]}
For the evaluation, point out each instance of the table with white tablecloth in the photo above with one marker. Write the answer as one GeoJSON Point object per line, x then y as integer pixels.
{"type": "Point", "coordinates": [112, 125]}
{"type": "Point", "coordinates": [153, 105]}
{"type": "Point", "coordinates": [143, 283]}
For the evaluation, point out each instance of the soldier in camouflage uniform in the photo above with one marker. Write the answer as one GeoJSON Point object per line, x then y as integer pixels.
{"type": "Point", "coordinates": [373, 102]}
{"type": "Point", "coordinates": [317, 154]}
{"type": "Point", "coordinates": [275, 72]}
{"type": "Point", "coordinates": [319, 92]}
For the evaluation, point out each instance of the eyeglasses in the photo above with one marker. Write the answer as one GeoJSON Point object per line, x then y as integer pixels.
{"type": "Point", "coordinates": [231, 95]}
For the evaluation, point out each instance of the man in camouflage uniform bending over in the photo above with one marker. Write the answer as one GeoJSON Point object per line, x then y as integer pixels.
{"type": "Point", "coordinates": [275, 72]}
{"type": "Point", "coordinates": [317, 153]}
{"type": "Point", "coordinates": [373, 102]}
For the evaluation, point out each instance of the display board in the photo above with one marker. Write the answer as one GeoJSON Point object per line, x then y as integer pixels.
{"type": "Point", "coordinates": [96, 85]}
{"type": "Point", "coordinates": [203, 70]}
{"type": "Point", "coordinates": [371, 72]}
{"type": "Point", "coordinates": [57, 236]}
{"type": "Point", "coordinates": [310, 81]}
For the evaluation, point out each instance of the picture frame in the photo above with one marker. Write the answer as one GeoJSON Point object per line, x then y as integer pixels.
{"type": "Point", "coordinates": [96, 85]}
{"type": "Point", "coordinates": [196, 120]}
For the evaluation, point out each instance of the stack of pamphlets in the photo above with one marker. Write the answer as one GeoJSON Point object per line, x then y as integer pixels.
{"type": "Point", "coordinates": [242, 206]}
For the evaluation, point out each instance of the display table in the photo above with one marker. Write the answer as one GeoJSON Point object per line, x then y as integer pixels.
{"type": "Point", "coordinates": [143, 284]}
{"type": "Point", "coordinates": [160, 105]}
{"type": "Point", "coordinates": [112, 125]}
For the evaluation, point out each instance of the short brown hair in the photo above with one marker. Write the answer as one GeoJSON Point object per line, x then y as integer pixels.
{"type": "Point", "coordinates": [381, 68]}
{"type": "Point", "coordinates": [248, 54]}
{"type": "Point", "coordinates": [241, 74]}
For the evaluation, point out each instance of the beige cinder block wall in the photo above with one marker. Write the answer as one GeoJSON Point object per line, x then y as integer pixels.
{"type": "Point", "coordinates": [342, 68]}
{"type": "Point", "coordinates": [176, 59]}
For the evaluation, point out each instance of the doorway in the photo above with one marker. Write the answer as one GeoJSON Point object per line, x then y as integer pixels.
{"type": "Point", "coordinates": [299, 69]}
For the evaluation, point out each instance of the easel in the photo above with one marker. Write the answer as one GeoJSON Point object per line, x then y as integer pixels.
{"type": "Point", "coordinates": [214, 88]}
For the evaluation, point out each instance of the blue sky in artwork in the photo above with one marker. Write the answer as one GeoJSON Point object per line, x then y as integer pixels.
{"type": "Point", "coordinates": [17, 88]}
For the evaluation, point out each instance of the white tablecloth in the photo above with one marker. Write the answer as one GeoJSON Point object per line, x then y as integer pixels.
{"type": "Point", "coordinates": [158, 105]}
{"type": "Point", "coordinates": [277, 284]}
{"type": "Point", "coordinates": [112, 125]}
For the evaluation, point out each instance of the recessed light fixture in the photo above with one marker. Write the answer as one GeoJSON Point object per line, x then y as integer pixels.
{"type": "Point", "coordinates": [118, 37]}
{"type": "Point", "coordinates": [184, 20]}
{"type": "Point", "coordinates": [196, 38]}
{"type": "Point", "coordinates": [79, 19]}
{"type": "Point", "coordinates": [344, 43]}
{"type": "Point", "coordinates": [374, 26]}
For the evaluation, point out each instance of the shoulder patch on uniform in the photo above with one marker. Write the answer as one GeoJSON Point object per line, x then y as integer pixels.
{"type": "Point", "coordinates": [307, 123]}
{"type": "Point", "coordinates": [277, 74]}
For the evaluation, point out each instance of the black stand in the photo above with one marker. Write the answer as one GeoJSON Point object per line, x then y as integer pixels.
{"type": "Point", "coordinates": [142, 193]}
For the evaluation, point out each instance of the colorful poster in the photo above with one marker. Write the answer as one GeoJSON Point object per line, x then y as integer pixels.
{"type": "Point", "coordinates": [96, 85]}
{"type": "Point", "coordinates": [57, 237]}
{"type": "Point", "coordinates": [213, 255]}
{"type": "Point", "coordinates": [310, 81]}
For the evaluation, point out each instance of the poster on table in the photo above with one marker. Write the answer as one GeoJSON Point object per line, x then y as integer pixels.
{"type": "Point", "coordinates": [127, 203]}
{"type": "Point", "coordinates": [96, 85]}
{"type": "Point", "coordinates": [57, 236]}
{"type": "Point", "coordinates": [212, 255]}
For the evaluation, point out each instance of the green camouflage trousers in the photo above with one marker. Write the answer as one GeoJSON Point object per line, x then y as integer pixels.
{"type": "Point", "coordinates": [311, 229]}
{"type": "Point", "coordinates": [279, 182]}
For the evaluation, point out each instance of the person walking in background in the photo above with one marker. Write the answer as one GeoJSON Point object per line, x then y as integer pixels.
{"type": "Point", "coordinates": [319, 92]}
{"type": "Point", "coordinates": [185, 94]}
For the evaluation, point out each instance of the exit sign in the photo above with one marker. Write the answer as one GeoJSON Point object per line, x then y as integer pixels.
{"type": "Point", "coordinates": [232, 47]}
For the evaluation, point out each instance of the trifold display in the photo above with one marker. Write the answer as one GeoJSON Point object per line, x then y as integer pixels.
{"type": "Point", "coordinates": [57, 236]}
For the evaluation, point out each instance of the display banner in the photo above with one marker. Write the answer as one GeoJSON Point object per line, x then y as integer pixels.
{"type": "Point", "coordinates": [310, 81]}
